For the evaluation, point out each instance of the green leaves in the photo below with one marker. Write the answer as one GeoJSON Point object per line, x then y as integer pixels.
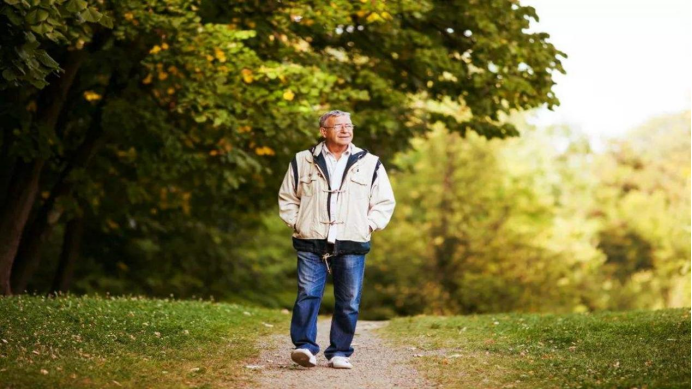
{"type": "Point", "coordinates": [60, 22]}
{"type": "Point", "coordinates": [46, 59]}
{"type": "Point", "coordinates": [91, 15]}
{"type": "Point", "coordinates": [36, 16]}
{"type": "Point", "coordinates": [75, 6]}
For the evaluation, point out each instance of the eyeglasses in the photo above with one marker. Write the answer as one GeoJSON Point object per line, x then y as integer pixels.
{"type": "Point", "coordinates": [343, 126]}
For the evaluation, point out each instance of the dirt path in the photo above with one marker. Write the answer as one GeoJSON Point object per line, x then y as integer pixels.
{"type": "Point", "coordinates": [375, 365]}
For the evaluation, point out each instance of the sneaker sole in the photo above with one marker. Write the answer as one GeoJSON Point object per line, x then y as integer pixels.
{"type": "Point", "coordinates": [339, 367]}
{"type": "Point", "coordinates": [302, 360]}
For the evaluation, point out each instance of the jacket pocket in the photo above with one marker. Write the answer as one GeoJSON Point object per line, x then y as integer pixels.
{"type": "Point", "coordinates": [307, 184]}
{"type": "Point", "coordinates": [360, 187]}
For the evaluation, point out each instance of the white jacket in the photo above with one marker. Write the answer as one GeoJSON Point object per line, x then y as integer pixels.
{"type": "Point", "coordinates": [365, 201]}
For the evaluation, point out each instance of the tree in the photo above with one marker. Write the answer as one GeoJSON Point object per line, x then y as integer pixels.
{"type": "Point", "coordinates": [644, 208]}
{"type": "Point", "coordinates": [181, 110]}
{"type": "Point", "coordinates": [482, 226]}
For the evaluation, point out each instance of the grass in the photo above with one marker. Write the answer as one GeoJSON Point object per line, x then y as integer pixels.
{"type": "Point", "coordinates": [128, 342]}
{"type": "Point", "coordinates": [635, 349]}
{"type": "Point", "coordinates": [136, 342]}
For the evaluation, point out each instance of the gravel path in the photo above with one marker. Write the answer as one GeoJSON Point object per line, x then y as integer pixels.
{"type": "Point", "coordinates": [374, 364]}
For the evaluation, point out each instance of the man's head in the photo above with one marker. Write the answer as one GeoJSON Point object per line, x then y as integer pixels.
{"type": "Point", "coordinates": [336, 128]}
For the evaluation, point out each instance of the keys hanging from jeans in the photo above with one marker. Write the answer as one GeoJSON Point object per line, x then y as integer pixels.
{"type": "Point", "coordinates": [325, 258]}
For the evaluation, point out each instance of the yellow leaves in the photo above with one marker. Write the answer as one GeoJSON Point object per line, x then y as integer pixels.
{"type": "Point", "coordinates": [129, 16]}
{"type": "Point", "coordinates": [288, 95]}
{"type": "Point", "coordinates": [112, 225]}
{"type": "Point", "coordinates": [447, 76]}
{"type": "Point", "coordinates": [264, 150]}
{"type": "Point", "coordinates": [225, 145]}
{"type": "Point", "coordinates": [220, 55]}
{"type": "Point", "coordinates": [300, 45]}
{"type": "Point", "coordinates": [247, 75]}
{"type": "Point", "coordinates": [210, 58]}
{"type": "Point", "coordinates": [244, 129]}
{"type": "Point", "coordinates": [163, 76]}
{"type": "Point", "coordinates": [131, 153]}
{"type": "Point", "coordinates": [373, 17]}
{"type": "Point", "coordinates": [378, 17]}
{"type": "Point", "coordinates": [170, 91]}
{"type": "Point", "coordinates": [92, 96]}
{"type": "Point", "coordinates": [186, 202]}
{"type": "Point", "coordinates": [45, 194]}
{"type": "Point", "coordinates": [147, 79]}
{"type": "Point", "coordinates": [156, 49]}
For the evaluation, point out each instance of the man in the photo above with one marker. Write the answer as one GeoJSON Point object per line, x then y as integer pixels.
{"type": "Point", "coordinates": [334, 196]}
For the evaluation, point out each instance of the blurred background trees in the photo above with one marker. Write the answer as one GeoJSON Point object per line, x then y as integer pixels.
{"type": "Point", "coordinates": [143, 143]}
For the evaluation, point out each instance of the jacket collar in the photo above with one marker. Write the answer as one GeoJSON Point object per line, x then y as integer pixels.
{"type": "Point", "coordinates": [317, 150]}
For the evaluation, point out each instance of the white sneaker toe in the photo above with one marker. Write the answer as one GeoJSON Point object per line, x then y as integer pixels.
{"type": "Point", "coordinates": [303, 357]}
{"type": "Point", "coordinates": [340, 363]}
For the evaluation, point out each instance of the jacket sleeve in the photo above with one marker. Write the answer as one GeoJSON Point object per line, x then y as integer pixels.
{"type": "Point", "coordinates": [381, 201]}
{"type": "Point", "coordinates": [289, 202]}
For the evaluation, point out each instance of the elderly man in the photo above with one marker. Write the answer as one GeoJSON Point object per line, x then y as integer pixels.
{"type": "Point", "coordinates": [334, 196]}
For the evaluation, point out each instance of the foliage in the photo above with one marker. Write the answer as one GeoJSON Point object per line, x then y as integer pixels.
{"type": "Point", "coordinates": [483, 226]}
{"type": "Point", "coordinates": [190, 111]}
{"type": "Point", "coordinates": [35, 22]}
{"type": "Point", "coordinates": [644, 205]}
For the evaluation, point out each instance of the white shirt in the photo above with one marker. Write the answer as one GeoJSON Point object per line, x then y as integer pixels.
{"type": "Point", "coordinates": [336, 174]}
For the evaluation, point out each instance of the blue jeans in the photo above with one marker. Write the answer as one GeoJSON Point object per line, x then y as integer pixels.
{"type": "Point", "coordinates": [347, 274]}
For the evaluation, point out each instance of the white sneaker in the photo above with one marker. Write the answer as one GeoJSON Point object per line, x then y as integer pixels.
{"type": "Point", "coordinates": [303, 357]}
{"type": "Point", "coordinates": [340, 363]}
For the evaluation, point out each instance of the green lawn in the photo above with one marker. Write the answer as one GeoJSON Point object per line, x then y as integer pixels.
{"type": "Point", "coordinates": [129, 342]}
{"type": "Point", "coordinates": [137, 342]}
{"type": "Point", "coordinates": [635, 349]}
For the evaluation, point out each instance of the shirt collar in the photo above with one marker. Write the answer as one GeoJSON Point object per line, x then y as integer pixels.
{"type": "Point", "coordinates": [326, 151]}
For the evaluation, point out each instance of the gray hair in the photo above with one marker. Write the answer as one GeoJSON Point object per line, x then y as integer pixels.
{"type": "Point", "coordinates": [335, 113]}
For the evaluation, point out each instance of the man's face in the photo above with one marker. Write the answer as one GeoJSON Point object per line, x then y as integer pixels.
{"type": "Point", "coordinates": [338, 131]}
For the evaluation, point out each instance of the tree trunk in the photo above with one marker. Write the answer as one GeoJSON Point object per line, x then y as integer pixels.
{"type": "Point", "coordinates": [69, 255]}
{"type": "Point", "coordinates": [7, 164]}
{"type": "Point", "coordinates": [29, 254]}
{"type": "Point", "coordinates": [24, 186]}
{"type": "Point", "coordinates": [20, 199]}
